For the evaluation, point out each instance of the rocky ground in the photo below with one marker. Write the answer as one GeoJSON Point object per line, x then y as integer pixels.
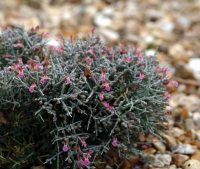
{"type": "Point", "coordinates": [171, 28]}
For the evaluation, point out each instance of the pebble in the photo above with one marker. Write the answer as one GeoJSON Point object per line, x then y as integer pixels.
{"type": "Point", "coordinates": [184, 149]}
{"type": "Point", "coordinates": [189, 124]}
{"type": "Point", "coordinates": [172, 166]}
{"type": "Point", "coordinates": [179, 159]}
{"type": "Point", "coordinates": [196, 156]}
{"type": "Point", "coordinates": [102, 21]}
{"type": "Point", "coordinates": [149, 151]}
{"type": "Point", "coordinates": [194, 65]}
{"type": "Point", "coordinates": [191, 164]}
{"type": "Point", "coordinates": [176, 49]}
{"type": "Point", "coordinates": [167, 26]}
{"type": "Point", "coordinates": [171, 141]}
{"type": "Point", "coordinates": [198, 135]}
{"type": "Point", "coordinates": [109, 34]}
{"type": "Point", "coordinates": [159, 146]}
{"type": "Point", "coordinates": [159, 160]}
{"type": "Point", "coordinates": [176, 132]}
{"type": "Point", "coordinates": [196, 119]}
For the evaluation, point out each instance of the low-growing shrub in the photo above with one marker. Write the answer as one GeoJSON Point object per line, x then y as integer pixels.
{"type": "Point", "coordinates": [85, 98]}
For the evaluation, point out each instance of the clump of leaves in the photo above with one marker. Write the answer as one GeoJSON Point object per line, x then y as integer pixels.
{"type": "Point", "coordinates": [95, 98]}
{"type": "Point", "coordinates": [17, 43]}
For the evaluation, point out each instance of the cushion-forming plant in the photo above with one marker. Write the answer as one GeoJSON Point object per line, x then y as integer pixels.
{"type": "Point", "coordinates": [88, 98]}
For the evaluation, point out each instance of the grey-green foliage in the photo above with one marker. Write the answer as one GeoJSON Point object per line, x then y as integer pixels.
{"type": "Point", "coordinates": [90, 92]}
{"type": "Point", "coordinates": [17, 43]}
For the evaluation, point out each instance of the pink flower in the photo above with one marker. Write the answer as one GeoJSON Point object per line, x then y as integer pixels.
{"type": "Point", "coordinates": [44, 79]}
{"type": "Point", "coordinates": [167, 95]}
{"type": "Point", "coordinates": [107, 86]}
{"type": "Point", "coordinates": [111, 57]}
{"type": "Point", "coordinates": [103, 76]}
{"type": "Point", "coordinates": [44, 34]}
{"type": "Point", "coordinates": [37, 66]}
{"type": "Point", "coordinates": [20, 73]}
{"type": "Point", "coordinates": [84, 163]}
{"type": "Point", "coordinates": [93, 30]}
{"type": "Point", "coordinates": [175, 83]}
{"type": "Point", "coordinates": [90, 152]}
{"type": "Point", "coordinates": [82, 141]}
{"type": "Point", "coordinates": [141, 76]}
{"type": "Point", "coordinates": [90, 51]}
{"type": "Point", "coordinates": [35, 29]}
{"type": "Point", "coordinates": [20, 62]}
{"type": "Point", "coordinates": [129, 59]}
{"type": "Point", "coordinates": [101, 96]}
{"type": "Point", "coordinates": [68, 80]}
{"type": "Point", "coordinates": [7, 55]}
{"type": "Point", "coordinates": [87, 60]}
{"type": "Point", "coordinates": [32, 88]}
{"type": "Point", "coordinates": [107, 106]}
{"type": "Point", "coordinates": [115, 142]}
{"type": "Point", "coordinates": [141, 57]}
{"type": "Point", "coordinates": [65, 147]}
{"type": "Point", "coordinates": [122, 49]}
{"type": "Point", "coordinates": [163, 70]}
{"type": "Point", "coordinates": [145, 146]}
{"type": "Point", "coordinates": [18, 45]}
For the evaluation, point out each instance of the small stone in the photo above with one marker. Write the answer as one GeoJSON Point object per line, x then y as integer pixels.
{"type": "Point", "coordinates": [149, 151]}
{"type": "Point", "coordinates": [171, 141]}
{"type": "Point", "coordinates": [177, 131]}
{"type": "Point", "coordinates": [166, 26]}
{"type": "Point", "coordinates": [159, 160]}
{"type": "Point", "coordinates": [179, 159]}
{"type": "Point", "coordinates": [184, 149]}
{"type": "Point", "coordinates": [197, 133]}
{"type": "Point", "coordinates": [196, 119]}
{"type": "Point", "coordinates": [102, 21]}
{"type": "Point", "coordinates": [194, 65]}
{"type": "Point", "coordinates": [177, 49]}
{"type": "Point", "coordinates": [172, 166]}
{"type": "Point", "coordinates": [196, 156]}
{"type": "Point", "coordinates": [183, 72]}
{"type": "Point", "coordinates": [189, 124]}
{"type": "Point", "coordinates": [108, 167]}
{"type": "Point", "coordinates": [132, 161]}
{"type": "Point", "coordinates": [183, 21]}
{"type": "Point", "coordinates": [182, 111]}
{"type": "Point", "coordinates": [109, 34]}
{"type": "Point", "coordinates": [191, 164]}
{"type": "Point", "coordinates": [159, 146]}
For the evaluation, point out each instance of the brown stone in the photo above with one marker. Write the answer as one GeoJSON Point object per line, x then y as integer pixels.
{"type": "Point", "coordinates": [196, 156]}
{"type": "Point", "coordinates": [149, 150]}
{"type": "Point", "coordinates": [128, 164]}
{"type": "Point", "coordinates": [179, 159]}
{"type": "Point", "coordinates": [171, 142]}
{"type": "Point", "coordinates": [159, 146]}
